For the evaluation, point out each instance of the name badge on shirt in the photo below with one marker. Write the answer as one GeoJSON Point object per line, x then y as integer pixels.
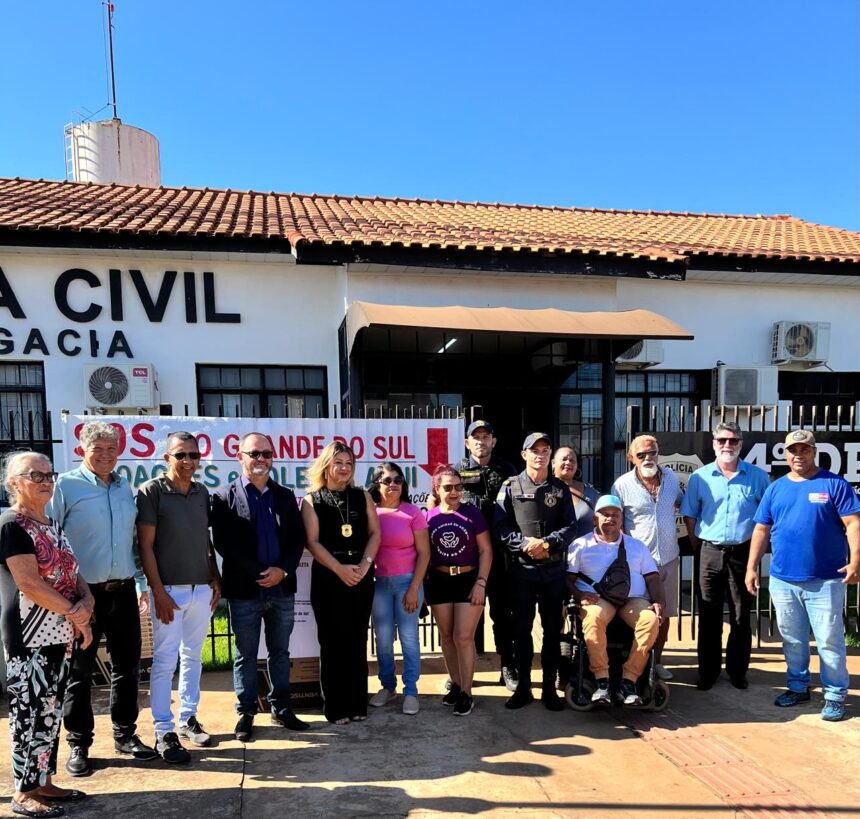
{"type": "Point", "coordinates": [526, 496]}
{"type": "Point", "coordinates": [819, 497]}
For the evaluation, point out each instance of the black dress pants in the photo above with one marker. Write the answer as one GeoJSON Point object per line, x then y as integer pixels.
{"type": "Point", "coordinates": [544, 587]}
{"type": "Point", "coordinates": [343, 614]}
{"type": "Point", "coordinates": [116, 616]}
{"type": "Point", "coordinates": [721, 574]}
{"type": "Point", "coordinates": [501, 609]}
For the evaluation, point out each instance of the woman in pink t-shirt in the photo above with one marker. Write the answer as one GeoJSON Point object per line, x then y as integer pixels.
{"type": "Point", "coordinates": [401, 564]}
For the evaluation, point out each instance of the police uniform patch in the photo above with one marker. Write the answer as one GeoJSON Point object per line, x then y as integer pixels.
{"type": "Point", "coordinates": [550, 500]}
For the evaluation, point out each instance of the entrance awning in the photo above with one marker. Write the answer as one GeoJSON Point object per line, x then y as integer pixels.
{"type": "Point", "coordinates": [623, 324]}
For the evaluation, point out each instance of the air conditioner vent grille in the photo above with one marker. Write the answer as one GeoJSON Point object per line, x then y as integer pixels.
{"type": "Point", "coordinates": [108, 386]}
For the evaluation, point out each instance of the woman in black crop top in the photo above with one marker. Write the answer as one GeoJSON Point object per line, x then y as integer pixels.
{"type": "Point", "coordinates": [343, 537]}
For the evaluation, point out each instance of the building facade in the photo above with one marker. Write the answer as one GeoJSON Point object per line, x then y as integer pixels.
{"type": "Point", "coordinates": [287, 305]}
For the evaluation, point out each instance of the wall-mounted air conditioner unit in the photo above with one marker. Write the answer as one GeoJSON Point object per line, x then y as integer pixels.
{"type": "Point", "coordinates": [800, 341]}
{"type": "Point", "coordinates": [742, 386]}
{"type": "Point", "coordinates": [645, 353]}
{"type": "Point", "coordinates": [120, 386]}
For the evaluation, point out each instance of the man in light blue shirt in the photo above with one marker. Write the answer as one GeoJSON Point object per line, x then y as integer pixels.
{"type": "Point", "coordinates": [718, 509]}
{"type": "Point", "coordinates": [96, 509]}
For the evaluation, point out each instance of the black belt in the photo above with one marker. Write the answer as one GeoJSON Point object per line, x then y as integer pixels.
{"type": "Point", "coordinates": [525, 560]}
{"type": "Point", "coordinates": [111, 585]}
{"type": "Point", "coordinates": [348, 553]}
{"type": "Point", "coordinates": [725, 547]}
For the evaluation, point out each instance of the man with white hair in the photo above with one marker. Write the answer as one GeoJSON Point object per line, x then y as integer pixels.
{"type": "Point", "coordinates": [95, 507]}
{"type": "Point", "coordinates": [651, 493]}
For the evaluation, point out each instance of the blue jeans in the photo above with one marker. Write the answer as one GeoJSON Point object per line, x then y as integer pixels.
{"type": "Point", "coordinates": [817, 604]}
{"type": "Point", "coordinates": [246, 619]}
{"type": "Point", "coordinates": [180, 639]}
{"type": "Point", "coordinates": [387, 611]}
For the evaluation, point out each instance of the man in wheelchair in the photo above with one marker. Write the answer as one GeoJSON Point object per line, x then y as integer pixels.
{"type": "Point", "coordinates": [604, 589]}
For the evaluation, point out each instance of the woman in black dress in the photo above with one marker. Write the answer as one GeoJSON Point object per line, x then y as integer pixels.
{"type": "Point", "coordinates": [343, 537]}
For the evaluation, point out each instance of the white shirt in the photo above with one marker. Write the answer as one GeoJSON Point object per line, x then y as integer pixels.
{"type": "Point", "coordinates": [592, 556]}
{"type": "Point", "coordinates": [652, 522]}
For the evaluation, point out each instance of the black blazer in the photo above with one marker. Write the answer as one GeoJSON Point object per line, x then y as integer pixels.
{"type": "Point", "coordinates": [234, 537]}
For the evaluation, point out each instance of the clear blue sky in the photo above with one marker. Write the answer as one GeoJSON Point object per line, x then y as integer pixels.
{"type": "Point", "coordinates": [739, 106]}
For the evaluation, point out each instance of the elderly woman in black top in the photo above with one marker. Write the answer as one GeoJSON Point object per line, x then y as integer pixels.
{"type": "Point", "coordinates": [45, 606]}
{"type": "Point", "coordinates": [343, 537]}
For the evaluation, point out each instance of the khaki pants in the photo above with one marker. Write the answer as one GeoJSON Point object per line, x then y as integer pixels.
{"type": "Point", "coordinates": [638, 616]}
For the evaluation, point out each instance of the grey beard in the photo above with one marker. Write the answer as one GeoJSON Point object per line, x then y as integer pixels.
{"type": "Point", "coordinates": [648, 471]}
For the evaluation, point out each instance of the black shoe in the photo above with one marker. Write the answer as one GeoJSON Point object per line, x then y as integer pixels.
{"type": "Point", "coordinates": [551, 700]}
{"type": "Point", "coordinates": [464, 705]}
{"type": "Point", "coordinates": [134, 746]}
{"type": "Point", "coordinates": [704, 685]}
{"type": "Point", "coordinates": [171, 750]}
{"type": "Point", "coordinates": [244, 727]}
{"type": "Point", "coordinates": [627, 693]}
{"type": "Point", "coordinates": [78, 763]}
{"type": "Point", "coordinates": [521, 697]}
{"type": "Point", "coordinates": [48, 812]}
{"type": "Point", "coordinates": [740, 682]}
{"type": "Point", "coordinates": [450, 699]}
{"type": "Point", "coordinates": [287, 719]}
{"type": "Point", "coordinates": [509, 678]}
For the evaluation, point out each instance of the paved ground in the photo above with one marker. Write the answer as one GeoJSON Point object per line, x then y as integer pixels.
{"type": "Point", "coordinates": [717, 754]}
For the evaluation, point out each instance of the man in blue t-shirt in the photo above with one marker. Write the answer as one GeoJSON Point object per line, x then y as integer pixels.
{"type": "Point", "coordinates": [811, 518]}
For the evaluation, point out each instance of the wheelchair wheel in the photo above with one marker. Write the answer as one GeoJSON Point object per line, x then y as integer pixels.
{"type": "Point", "coordinates": [660, 698]}
{"type": "Point", "coordinates": [583, 701]}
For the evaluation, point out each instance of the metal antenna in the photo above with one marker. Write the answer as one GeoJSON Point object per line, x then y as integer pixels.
{"type": "Point", "coordinates": [112, 72]}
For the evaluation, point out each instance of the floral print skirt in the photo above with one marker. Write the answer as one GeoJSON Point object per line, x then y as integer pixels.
{"type": "Point", "coordinates": [36, 681]}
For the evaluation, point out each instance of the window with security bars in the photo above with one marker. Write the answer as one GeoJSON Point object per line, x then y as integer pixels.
{"type": "Point", "coordinates": [253, 391]}
{"type": "Point", "coordinates": [666, 400]}
{"type": "Point", "coordinates": [24, 423]}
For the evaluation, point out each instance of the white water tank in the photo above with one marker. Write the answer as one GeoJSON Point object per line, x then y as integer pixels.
{"type": "Point", "coordinates": [110, 151]}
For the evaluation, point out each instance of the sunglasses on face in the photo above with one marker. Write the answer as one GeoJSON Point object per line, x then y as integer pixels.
{"type": "Point", "coordinates": [38, 477]}
{"type": "Point", "coordinates": [257, 454]}
{"type": "Point", "coordinates": [181, 456]}
{"type": "Point", "coordinates": [451, 487]}
{"type": "Point", "coordinates": [651, 453]}
{"type": "Point", "coordinates": [396, 480]}
{"type": "Point", "coordinates": [729, 441]}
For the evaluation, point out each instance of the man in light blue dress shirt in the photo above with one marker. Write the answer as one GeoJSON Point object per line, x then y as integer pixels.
{"type": "Point", "coordinates": [718, 509]}
{"type": "Point", "coordinates": [96, 509]}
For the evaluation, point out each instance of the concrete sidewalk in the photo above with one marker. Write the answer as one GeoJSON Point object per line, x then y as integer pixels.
{"type": "Point", "coordinates": [719, 753]}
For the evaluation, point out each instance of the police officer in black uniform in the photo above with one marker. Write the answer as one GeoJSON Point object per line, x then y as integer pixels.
{"type": "Point", "coordinates": [482, 477]}
{"type": "Point", "coordinates": [536, 521]}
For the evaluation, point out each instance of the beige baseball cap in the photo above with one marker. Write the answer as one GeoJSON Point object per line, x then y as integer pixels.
{"type": "Point", "coordinates": [799, 436]}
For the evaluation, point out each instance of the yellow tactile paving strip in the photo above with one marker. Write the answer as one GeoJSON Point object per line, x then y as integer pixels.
{"type": "Point", "coordinates": [743, 785]}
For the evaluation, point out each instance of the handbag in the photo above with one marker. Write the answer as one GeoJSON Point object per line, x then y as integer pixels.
{"type": "Point", "coordinates": [614, 586]}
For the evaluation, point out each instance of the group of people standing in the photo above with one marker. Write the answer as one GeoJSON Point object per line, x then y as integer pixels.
{"type": "Point", "coordinates": [81, 557]}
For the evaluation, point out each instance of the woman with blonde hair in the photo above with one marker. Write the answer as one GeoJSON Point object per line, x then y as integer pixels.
{"type": "Point", "coordinates": [343, 537]}
{"type": "Point", "coordinates": [46, 605]}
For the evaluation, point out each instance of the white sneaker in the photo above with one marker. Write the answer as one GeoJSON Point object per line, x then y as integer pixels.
{"type": "Point", "coordinates": [411, 705]}
{"type": "Point", "coordinates": [663, 673]}
{"type": "Point", "coordinates": [382, 697]}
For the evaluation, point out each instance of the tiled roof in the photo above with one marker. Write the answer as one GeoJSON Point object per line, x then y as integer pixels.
{"type": "Point", "coordinates": [192, 213]}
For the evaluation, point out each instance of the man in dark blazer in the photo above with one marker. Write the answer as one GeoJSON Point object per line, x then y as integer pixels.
{"type": "Point", "coordinates": [258, 531]}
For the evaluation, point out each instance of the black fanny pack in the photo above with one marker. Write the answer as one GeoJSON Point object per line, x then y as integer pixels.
{"type": "Point", "coordinates": [614, 586]}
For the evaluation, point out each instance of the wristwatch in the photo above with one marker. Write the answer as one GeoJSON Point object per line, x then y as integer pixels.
{"type": "Point", "coordinates": [368, 559]}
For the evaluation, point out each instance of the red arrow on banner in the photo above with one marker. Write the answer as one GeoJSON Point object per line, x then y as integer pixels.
{"type": "Point", "coordinates": [437, 449]}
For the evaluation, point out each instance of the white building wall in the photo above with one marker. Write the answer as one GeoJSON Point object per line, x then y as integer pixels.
{"type": "Point", "coordinates": [290, 315]}
{"type": "Point", "coordinates": [733, 322]}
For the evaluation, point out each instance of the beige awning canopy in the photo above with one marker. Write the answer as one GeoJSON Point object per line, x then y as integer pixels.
{"type": "Point", "coordinates": [624, 324]}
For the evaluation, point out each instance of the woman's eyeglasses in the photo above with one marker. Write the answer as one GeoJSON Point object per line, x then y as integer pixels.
{"type": "Point", "coordinates": [451, 487]}
{"type": "Point", "coordinates": [181, 456]}
{"type": "Point", "coordinates": [396, 480]}
{"type": "Point", "coordinates": [39, 477]}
